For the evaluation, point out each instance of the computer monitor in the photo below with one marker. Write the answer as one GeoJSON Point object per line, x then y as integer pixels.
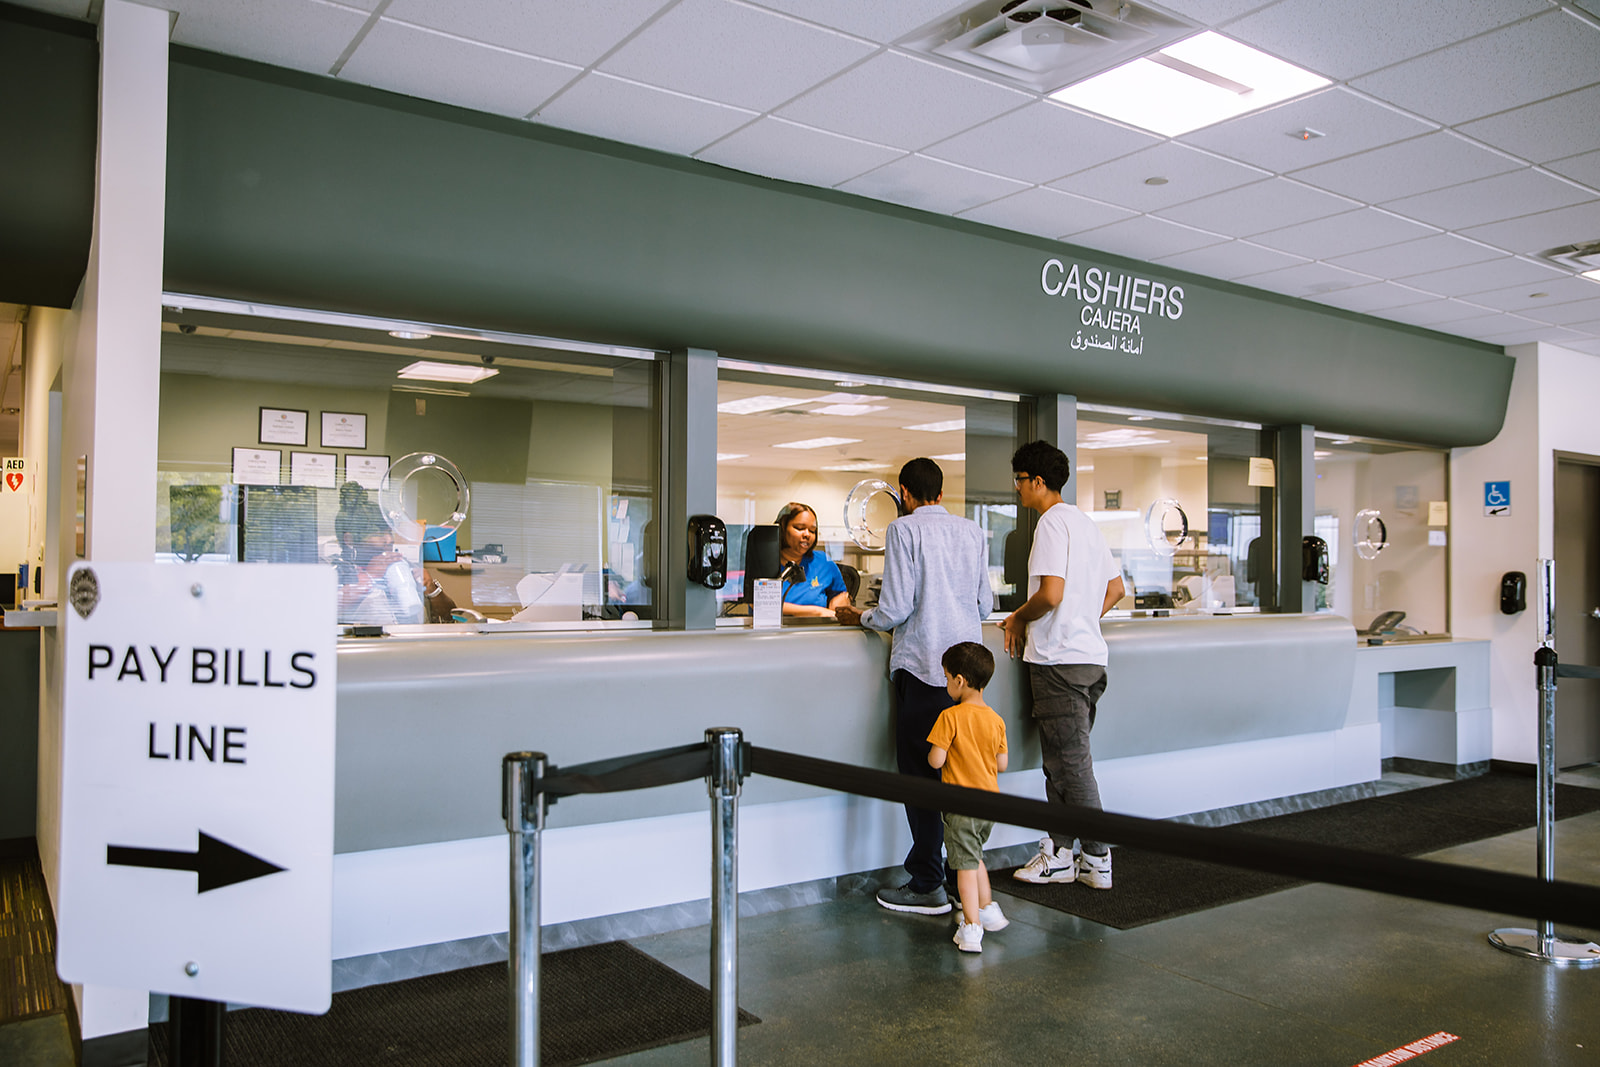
{"type": "Point", "coordinates": [761, 557]}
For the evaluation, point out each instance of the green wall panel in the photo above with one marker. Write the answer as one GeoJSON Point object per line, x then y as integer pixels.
{"type": "Point", "coordinates": [290, 189]}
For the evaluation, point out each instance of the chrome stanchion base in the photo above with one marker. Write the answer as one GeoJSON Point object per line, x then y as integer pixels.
{"type": "Point", "coordinates": [1564, 951]}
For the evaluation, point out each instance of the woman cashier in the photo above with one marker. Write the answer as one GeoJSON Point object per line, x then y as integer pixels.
{"type": "Point", "coordinates": [812, 584]}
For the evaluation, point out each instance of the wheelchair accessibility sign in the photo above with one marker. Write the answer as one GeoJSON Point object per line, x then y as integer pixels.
{"type": "Point", "coordinates": [1497, 498]}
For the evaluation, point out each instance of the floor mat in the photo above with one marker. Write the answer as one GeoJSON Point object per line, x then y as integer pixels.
{"type": "Point", "coordinates": [597, 1002]}
{"type": "Point", "coordinates": [1151, 887]}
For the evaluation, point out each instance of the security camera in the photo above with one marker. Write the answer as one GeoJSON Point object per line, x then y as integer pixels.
{"type": "Point", "coordinates": [187, 327]}
{"type": "Point", "coordinates": [488, 361]}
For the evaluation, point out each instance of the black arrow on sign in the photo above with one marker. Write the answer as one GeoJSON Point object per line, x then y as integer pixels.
{"type": "Point", "coordinates": [216, 863]}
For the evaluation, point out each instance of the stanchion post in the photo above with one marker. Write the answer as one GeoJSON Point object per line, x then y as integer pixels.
{"type": "Point", "coordinates": [1543, 944]}
{"type": "Point", "coordinates": [194, 1028]}
{"type": "Point", "coordinates": [727, 772]}
{"type": "Point", "coordinates": [522, 803]}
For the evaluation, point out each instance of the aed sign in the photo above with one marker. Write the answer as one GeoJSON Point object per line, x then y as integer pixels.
{"type": "Point", "coordinates": [197, 781]}
{"type": "Point", "coordinates": [13, 474]}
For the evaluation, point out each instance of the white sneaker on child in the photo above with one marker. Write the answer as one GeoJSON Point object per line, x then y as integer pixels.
{"type": "Point", "coordinates": [1047, 866]}
{"type": "Point", "coordinates": [1095, 871]}
{"type": "Point", "coordinates": [991, 918]}
{"type": "Point", "coordinates": [969, 937]}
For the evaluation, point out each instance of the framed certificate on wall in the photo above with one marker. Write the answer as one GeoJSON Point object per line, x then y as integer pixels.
{"type": "Point", "coordinates": [256, 466]}
{"type": "Point", "coordinates": [366, 471]}
{"type": "Point", "coordinates": [314, 468]}
{"type": "Point", "coordinates": [344, 429]}
{"type": "Point", "coordinates": [283, 426]}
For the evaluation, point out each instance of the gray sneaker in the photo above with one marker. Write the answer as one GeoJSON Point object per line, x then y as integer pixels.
{"type": "Point", "coordinates": [933, 902]}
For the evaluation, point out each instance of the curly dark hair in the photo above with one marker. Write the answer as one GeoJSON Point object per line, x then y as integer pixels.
{"type": "Point", "coordinates": [1043, 460]}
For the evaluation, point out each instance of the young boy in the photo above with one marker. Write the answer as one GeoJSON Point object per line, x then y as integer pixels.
{"type": "Point", "coordinates": [969, 744]}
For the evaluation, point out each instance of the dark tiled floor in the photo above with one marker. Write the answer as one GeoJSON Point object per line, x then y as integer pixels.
{"type": "Point", "coordinates": [1314, 975]}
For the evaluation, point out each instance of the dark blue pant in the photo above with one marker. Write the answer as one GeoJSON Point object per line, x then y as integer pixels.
{"type": "Point", "coordinates": [917, 708]}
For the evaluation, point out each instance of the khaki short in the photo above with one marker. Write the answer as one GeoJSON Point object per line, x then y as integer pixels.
{"type": "Point", "coordinates": [963, 841]}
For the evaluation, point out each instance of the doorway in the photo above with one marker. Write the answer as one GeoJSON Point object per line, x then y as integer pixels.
{"type": "Point", "coordinates": [1577, 537]}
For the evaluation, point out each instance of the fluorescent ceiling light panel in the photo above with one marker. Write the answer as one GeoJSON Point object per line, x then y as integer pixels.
{"type": "Point", "coordinates": [848, 409]}
{"type": "Point", "coordinates": [939, 427]}
{"type": "Point", "coordinates": [1191, 84]}
{"type": "Point", "coordinates": [858, 467]}
{"type": "Point", "coordinates": [752, 405]}
{"type": "Point", "coordinates": [1122, 438]}
{"type": "Point", "coordinates": [462, 373]}
{"type": "Point", "coordinates": [953, 457]}
{"type": "Point", "coordinates": [1592, 275]}
{"type": "Point", "coordinates": [723, 457]}
{"type": "Point", "coordinates": [848, 398]}
{"type": "Point", "coordinates": [820, 442]}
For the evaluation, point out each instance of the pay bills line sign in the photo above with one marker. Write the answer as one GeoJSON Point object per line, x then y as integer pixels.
{"type": "Point", "coordinates": [197, 781]}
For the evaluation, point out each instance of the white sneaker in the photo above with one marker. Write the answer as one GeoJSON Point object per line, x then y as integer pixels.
{"type": "Point", "coordinates": [1047, 866]}
{"type": "Point", "coordinates": [969, 937]}
{"type": "Point", "coordinates": [991, 919]}
{"type": "Point", "coordinates": [1095, 871]}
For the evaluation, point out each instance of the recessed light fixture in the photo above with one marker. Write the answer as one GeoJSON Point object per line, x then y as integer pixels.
{"type": "Point", "coordinates": [953, 457]}
{"type": "Point", "coordinates": [752, 405]}
{"type": "Point", "coordinates": [1203, 459]}
{"type": "Point", "coordinates": [848, 409]}
{"type": "Point", "coordinates": [1140, 418]}
{"type": "Point", "coordinates": [1320, 455]}
{"type": "Point", "coordinates": [820, 442]}
{"type": "Point", "coordinates": [939, 427]}
{"type": "Point", "coordinates": [1194, 83]}
{"type": "Point", "coordinates": [1155, 181]}
{"type": "Point", "coordinates": [1088, 468]}
{"type": "Point", "coordinates": [723, 457]}
{"type": "Point", "coordinates": [409, 335]}
{"type": "Point", "coordinates": [1592, 275]}
{"type": "Point", "coordinates": [857, 467]}
{"type": "Point", "coordinates": [846, 383]}
{"type": "Point", "coordinates": [462, 373]}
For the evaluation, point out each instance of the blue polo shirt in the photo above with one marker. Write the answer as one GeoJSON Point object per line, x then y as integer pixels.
{"type": "Point", "coordinates": [821, 584]}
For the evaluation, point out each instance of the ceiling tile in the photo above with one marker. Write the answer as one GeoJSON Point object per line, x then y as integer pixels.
{"type": "Point", "coordinates": [298, 34]}
{"type": "Point", "coordinates": [1144, 237]}
{"type": "Point", "coordinates": [1504, 196]}
{"type": "Point", "coordinates": [1046, 212]}
{"type": "Point", "coordinates": [1355, 36]}
{"type": "Point", "coordinates": [1251, 209]}
{"type": "Point", "coordinates": [637, 114]}
{"type": "Point", "coordinates": [733, 54]}
{"type": "Point", "coordinates": [1521, 335]}
{"type": "Point", "coordinates": [1588, 348]}
{"type": "Point", "coordinates": [1551, 54]}
{"type": "Point", "coordinates": [920, 182]}
{"type": "Point", "coordinates": [1574, 313]}
{"type": "Point", "coordinates": [1212, 12]}
{"type": "Point", "coordinates": [434, 66]}
{"type": "Point", "coordinates": [1551, 129]}
{"type": "Point", "coordinates": [1419, 165]}
{"type": "Point", "coordinates": [1434, 314]}
{"type": "Point", "coordinates": [779, 149]}
{"type": "Point", "coordinates": [1338, 235]}
{"type": "Point", "coordinates": [1235, 259]}
{"type": "Point", "coordinates": [1306, 279]}
{"type": "Point", "coordinates": [1377, 297]}
{"type": "Point", "coordinates": [1584, 168]}
{"type": "Point", "coordinates": [878, 22]}
{"type": "Point", "coordinates": [1545, 230]}
{"type": "Point", "coordinates": [1483, 326]}
{"type": "Point", "coordinates": [897, 100]}
{"type": "Point", "coordinates": [1481, 277]}
{"type": "Point", "coordinates": [577, 31]}
{"type": "Point", "coordinates": [1521, 298]}
{"type": "Point", "coordinates": [1438, 252]}
{"type": "Point", "coordinates": [1040, 142]}
{"type": "Point", "coordinates": [1349, 123]}
{"type": "Point", "coordinates": [1190, 175]}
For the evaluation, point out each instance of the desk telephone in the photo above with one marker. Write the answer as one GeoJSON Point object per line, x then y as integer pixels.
{"type": "Point", "coordinates": [1388, 622]}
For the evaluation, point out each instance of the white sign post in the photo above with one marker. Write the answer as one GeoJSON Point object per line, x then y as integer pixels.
{"type": "Point", "coordinates": [197, 781]}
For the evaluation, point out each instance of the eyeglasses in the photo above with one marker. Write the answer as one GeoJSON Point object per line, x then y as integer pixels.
{"type": "Point", "coordinates": [1020, 478]}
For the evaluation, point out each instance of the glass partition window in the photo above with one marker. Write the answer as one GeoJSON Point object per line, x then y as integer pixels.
{"type": "Point", "coordinates": [1174, 498]}
{"type": "Point", "coordinates": [501, 480]}
{"type": "Point", "coordinates": [811, 439]}
{"type": "Point", "coordinates": [1383, 509]}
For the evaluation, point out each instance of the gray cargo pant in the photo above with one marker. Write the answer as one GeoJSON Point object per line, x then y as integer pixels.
{"type": "Point", "coordinates": [1064, 698]}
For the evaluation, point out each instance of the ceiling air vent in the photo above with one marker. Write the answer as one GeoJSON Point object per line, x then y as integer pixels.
{"type": "Point", "coordinates": [1047, 44]}
{"type": "Point", "coordinates": [1581, 257]}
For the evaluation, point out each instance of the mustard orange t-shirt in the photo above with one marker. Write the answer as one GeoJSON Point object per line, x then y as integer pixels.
{"type": "Point", "coordinates": [974, 735]}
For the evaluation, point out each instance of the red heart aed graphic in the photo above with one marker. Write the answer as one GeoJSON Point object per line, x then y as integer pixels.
{"type": "Point", "coordinates": [14, 480]}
